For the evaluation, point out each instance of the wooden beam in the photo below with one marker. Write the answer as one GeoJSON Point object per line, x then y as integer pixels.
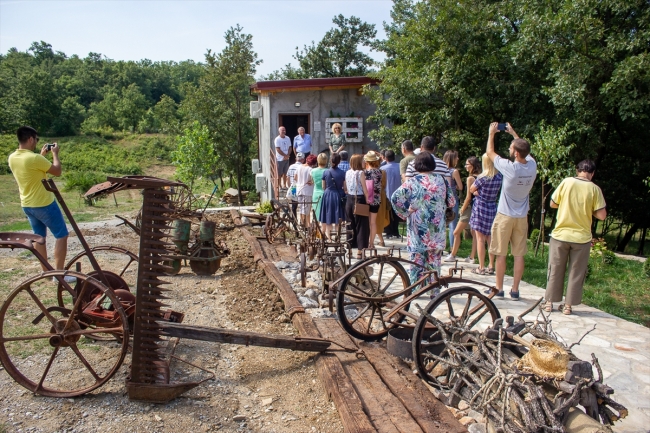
{"type": "Point", "coordinates": [430, 413]}
{"type": "Point", "coordinates": [386, 412]}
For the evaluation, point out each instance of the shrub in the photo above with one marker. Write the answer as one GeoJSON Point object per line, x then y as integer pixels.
{"type": "Point", "coordinates": [264, 208]}
{"type": "Point", "coordinates": [646, 268]}
{"type": "Point", "coordinates": [82, 181]}
{"type": "Point", "coordinates": [533, 236]}
{"type": "Point", "coordinates": [608, 257]}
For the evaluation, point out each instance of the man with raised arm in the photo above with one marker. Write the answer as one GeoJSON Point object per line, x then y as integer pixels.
{"type": "Point", "coordinates": [511, 223]}
{"type": "Point", "coordinates": [42, 211]}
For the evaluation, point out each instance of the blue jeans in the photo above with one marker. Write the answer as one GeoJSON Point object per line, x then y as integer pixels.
{"type": "Point", "coordinates": [452, 225]}
{"type": "Point", "coordinates": [42, 218]}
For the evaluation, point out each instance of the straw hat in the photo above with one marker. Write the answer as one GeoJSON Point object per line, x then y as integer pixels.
{"type": "Point", "coordinates": [545, 359]}
{"type": "Point", "coordinates": [371, 156]}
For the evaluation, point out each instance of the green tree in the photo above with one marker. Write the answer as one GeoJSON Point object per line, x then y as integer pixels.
{"type": "Point", "coordinates": [221, 102]}
{"type": "Point", "coordinates": [194, 156]}
{"type": "Point", "coordinates": [337, 54]}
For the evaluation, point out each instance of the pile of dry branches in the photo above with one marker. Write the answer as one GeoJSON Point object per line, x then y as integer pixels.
{"type": "Point", "coordinates": [485, 370]}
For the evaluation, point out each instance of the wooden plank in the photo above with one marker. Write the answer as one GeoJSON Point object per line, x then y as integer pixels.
{"type": "Point", "coordinates": [291, 302]}
{"type": "Point", "coordinates": [387, 413]}
{"type": "Point", "coordinates": [428, 412]}
{"type": "Point", "coordinates": [337, 384]}
{"type": "Point", "coordinates": [245, 338]}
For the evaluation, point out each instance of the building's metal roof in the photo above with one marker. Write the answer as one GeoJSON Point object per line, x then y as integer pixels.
{"type": "Point", "coordinates": [312, 84]}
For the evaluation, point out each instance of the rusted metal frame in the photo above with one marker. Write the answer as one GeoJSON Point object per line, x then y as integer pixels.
{"type": "Point", "coordinates": [51, 186]}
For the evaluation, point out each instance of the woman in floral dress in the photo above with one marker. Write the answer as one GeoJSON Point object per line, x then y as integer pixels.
{"type": "Point", "coordinates": [422, 201]}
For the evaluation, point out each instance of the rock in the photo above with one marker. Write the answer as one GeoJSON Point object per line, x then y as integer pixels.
{"type": "Point", "coordinates": [157, 418]}
{"type": "Point", "coordinates": [462, 405]}
{"type": "Point", "coordinates": [466, 420]}
{"type": "Point", "coordinates": [477, 428]}
{"type": "Point", "coordinates": [476, 415]}
{"type": "Point", "coordinates": [453, 411]}
{"type": "Point", "coordinates": [311, 294]}
{"type": "Point", "coordinates": [239, 418]}
{"type": "Point", "coordinates": [294, 265]}
{"type": "Point", "coordinates": [290, 279]}
{"type": "Point", "coordinates": [281, 264]}
{"type": "Point", "coordinates": [321, 313]}
{"type": "Point", "coordinates": [267, 401]}
{"type": "Point", "coordinates": [307, 302]}
{"type": "Point", "coordinates": [244, 220]}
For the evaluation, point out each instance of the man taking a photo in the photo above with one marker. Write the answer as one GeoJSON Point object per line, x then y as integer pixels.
{"type": "Point", "coordinates": [42, 211]}
{"type": "Point", "coordinates": [511, 223]}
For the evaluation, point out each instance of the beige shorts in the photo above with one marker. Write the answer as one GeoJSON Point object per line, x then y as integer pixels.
{"type": "Point", "coordinates": [508, 230]}
{"type": "Point", "coordinates": [464, 217]}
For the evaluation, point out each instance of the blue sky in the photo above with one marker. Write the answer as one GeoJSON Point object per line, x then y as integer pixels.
{"type": "Point", "coordinates": [177, 30]}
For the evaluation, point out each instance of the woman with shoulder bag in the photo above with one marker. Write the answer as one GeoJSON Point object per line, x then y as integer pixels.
{"type": "Point", "coordinates": [332, 208]}
{"type": "Point", "coordinates": [371, 184]}
{"type": "Point", "coordinates": [422, 201]}
{"type": "Point", "coordinates": [358, 223]}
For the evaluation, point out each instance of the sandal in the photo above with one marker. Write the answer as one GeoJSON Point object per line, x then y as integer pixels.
{"type": "Point", "coordinates": [359, 255]}
{"type": "Point", "coordinates": [478, 271]}
{"type": "Point", "coordinates": [381, 244]}
{"type": "Point", "coordinates": [565, 309]}
{"type": "Point", "coordinates": [548, 306]}
{"type": "Point", "coordinates": [490, 271]}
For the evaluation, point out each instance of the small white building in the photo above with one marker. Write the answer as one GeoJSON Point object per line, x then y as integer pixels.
{"type": "Point", "coordinates": [315, 104]}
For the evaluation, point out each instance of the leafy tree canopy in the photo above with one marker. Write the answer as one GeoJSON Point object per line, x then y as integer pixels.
{"type": "Point", "coordinates": [338, 54]}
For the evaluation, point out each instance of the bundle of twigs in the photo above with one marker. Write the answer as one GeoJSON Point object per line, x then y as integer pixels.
{"type": "Point", "coordinates": [484, 369]}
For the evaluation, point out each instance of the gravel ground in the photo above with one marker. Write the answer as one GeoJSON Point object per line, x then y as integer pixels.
{"type": "Point", "coordinates": [255, 389]}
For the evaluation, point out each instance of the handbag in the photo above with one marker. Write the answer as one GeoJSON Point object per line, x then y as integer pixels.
{"type": "Point", "coordinates": [360, 209]}
{"type": "Point", "coordinates": [450, 215]}
{"type": "Point", "coordinates": [370, 186]}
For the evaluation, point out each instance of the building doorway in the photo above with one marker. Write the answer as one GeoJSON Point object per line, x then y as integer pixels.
{"type": "Point", "coordinates": [291, 123]}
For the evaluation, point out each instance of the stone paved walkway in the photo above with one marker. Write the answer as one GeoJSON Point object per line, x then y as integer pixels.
{"type": "Point", "coordinates": [622, 347]}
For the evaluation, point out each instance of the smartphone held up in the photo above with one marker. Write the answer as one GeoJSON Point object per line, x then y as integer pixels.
{"type": "Point", "coordinates": [502, 127]}
{"type": "Point", "coordinates": [49, 146]}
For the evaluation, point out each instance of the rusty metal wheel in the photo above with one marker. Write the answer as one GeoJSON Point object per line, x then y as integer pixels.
{"type": "Point", "coordinates": [41, 344]}
{"type": "Point", "coordinates": [368, 293]}
{"type": "Point", "coordinates": [464, 307]}
{"type": "Point", "coordinates": [119, 261]}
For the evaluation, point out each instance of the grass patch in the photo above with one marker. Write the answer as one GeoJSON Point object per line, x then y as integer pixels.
{"type": "Point", "coordinates": [620, 288]}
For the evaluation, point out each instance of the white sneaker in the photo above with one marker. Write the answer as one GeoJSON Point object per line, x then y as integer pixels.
{"type": "Point", "coordinates": [449, 258]}
{"type": "Point", "coordinates": [470, 260]}
{"type": "Point", "coordinates": [67, 279]}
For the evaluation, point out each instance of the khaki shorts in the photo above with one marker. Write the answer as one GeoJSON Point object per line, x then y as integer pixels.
{"type": "Point", "coordinates": [507, 230]}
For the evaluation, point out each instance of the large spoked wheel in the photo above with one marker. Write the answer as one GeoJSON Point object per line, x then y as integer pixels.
{"type": "Point", "coordinates": [52, 350]}
{"type": "Point", "coordinates": [367, 295]}
{"type": "Point", "coordinates": [118, 261]}
{"type": "Point", "coordinates": [464, 307]}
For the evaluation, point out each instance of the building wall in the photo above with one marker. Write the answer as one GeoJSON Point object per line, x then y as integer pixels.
{"type": "Point", "coordinates": [319, 104]}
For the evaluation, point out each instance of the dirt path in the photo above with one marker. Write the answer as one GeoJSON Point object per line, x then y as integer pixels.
{"type": "Point", "coordinates": [256, 389]}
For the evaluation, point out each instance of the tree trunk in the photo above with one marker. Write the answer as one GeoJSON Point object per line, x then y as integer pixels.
{"type": "Point", "coordinates": [642, 242]}
{"type": "Point", "coordinates": [626, 239]}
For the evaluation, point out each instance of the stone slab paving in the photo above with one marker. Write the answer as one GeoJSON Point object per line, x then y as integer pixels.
{"type": "Point", "coordinates": [622, 347]}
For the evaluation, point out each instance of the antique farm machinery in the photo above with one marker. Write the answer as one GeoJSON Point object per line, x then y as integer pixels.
{"type": "Point", "coordinates": [517, 374]}
{"type": "Point", "coordinates": [193, 236]}
{"type": "Point", "coordinates": [42, 324]}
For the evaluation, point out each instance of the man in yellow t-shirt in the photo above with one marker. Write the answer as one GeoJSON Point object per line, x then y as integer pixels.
{"type": "Point", "coordinates": [42, 211]}
{"type": "Point", "coordinates": [577, 200]}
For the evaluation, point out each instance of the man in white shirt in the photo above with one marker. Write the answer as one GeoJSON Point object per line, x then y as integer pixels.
{"type": "Point", "coordinates": [282, 151]}
{"type": "Point", "coordinates": [511, 223]}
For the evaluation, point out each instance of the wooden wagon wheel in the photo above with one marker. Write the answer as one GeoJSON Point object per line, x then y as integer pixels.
{"type": "Point", "coordinates": [363, 300]}
{"type": "Point", "coordinates": [461, 306]}
{"type": "Point", "coordinates": [40, 342]}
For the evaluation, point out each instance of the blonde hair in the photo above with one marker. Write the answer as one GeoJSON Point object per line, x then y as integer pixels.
{"type": "Point", "coordinates": [356, 162]}
{"type": "Point", "coordinates": [451, 158]}
{"type": "Point", "coordinates": [488, 167]}
{"type": "Point", "coordinates": [322, 160]}
{"type": "Point", "coordinates": [336, 125]}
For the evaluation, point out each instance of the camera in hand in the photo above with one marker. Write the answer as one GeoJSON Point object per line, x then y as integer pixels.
{"type": "Point", "coordinates": [502, 126]}
{"type": "Point", "coordinates": [49, 146]}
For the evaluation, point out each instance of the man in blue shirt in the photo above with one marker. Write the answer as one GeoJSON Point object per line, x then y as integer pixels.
{"type": "Point", "coordinates": [302, 142]}
{"type": "Point", "coordinates": [393, 181]}
{"type": "Point", "coordinates": [344, 164]}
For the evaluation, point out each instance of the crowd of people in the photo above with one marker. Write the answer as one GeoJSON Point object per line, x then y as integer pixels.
{"type": "Point", "coordinates": [372, 194]}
